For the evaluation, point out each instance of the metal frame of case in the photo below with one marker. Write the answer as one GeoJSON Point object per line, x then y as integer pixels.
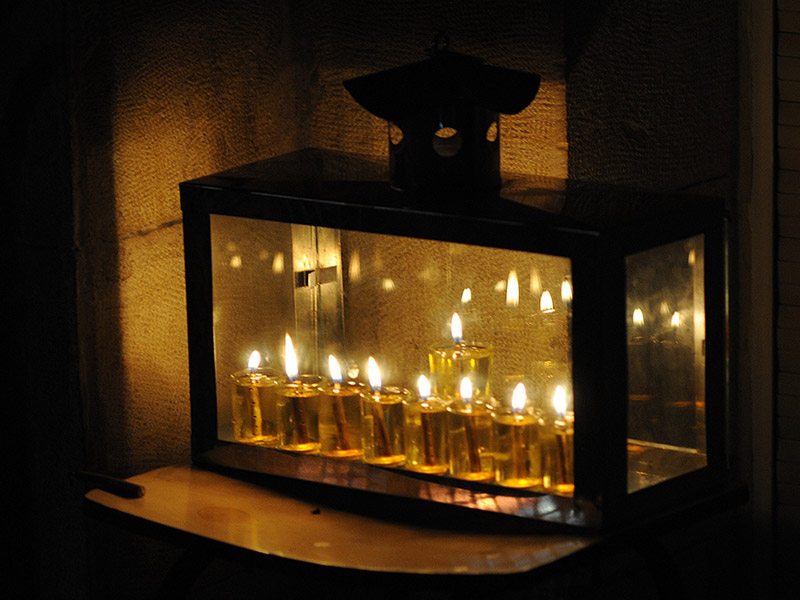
{"type": "Point", "coordinates": [596, 227]}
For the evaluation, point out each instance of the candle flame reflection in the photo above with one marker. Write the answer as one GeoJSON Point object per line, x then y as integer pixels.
{"type": "Point", "coordinates": [374, 374]}
{"type": "Point", "coordinates": [277, 263]}
{"type": "Point", "coordinates": [354, 270]}
{"type": "Point", "coordinates": [466, 389]}
{"type": "Point", "coordinates": [638, 317]}
{"type": "Point", "coordinates": [536, 283]}
{"type": "Point", "coordinates": [335, 369]}
{"type": "Point", "coordinates": [546, 302]}
{"type": "Point", "coordinates": [519, 398]}
{"type": "Point", "coordinates": [560, 401]}
{"type": "Point", "coordinates": [512, 289]}
{"type": "Point", "coordinates": [466, 296]}
{"type": "Point", "coordinates": [676, 319]}
{"type": "Point", "coordinates": [566, 293]}
{"type": "Point", "coordinates": [290, 359]}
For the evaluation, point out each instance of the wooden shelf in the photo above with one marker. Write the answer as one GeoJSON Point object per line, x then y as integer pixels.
{"type": "Point", "coordinates": [264, 520]}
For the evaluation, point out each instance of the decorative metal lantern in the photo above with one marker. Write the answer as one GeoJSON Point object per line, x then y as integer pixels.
{"type": "Point", "coordinates": [444, 118]}
{"type": "Point", "coordinates": [573, 339]}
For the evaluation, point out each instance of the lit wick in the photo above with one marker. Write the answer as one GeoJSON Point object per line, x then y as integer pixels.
{"type": "Point", "coordinates": [566, 294]}
{"type": "Point", "coordinates": [252, 392]}
{"type": "Point", "coordinates": [469, 427]}
{"type": "Point", "coordinates": [290, 359]}
{"type": "Point", "coordinates": [424, 387]}
{"type": "Point", "coordinates": [512, 290]}
{"type": "Point", "coordinates": [546, 303]}
{"type": "Point", "coordinates": [560, 406]}
{"type": "Point", "coordinates": [638, 324]}
{"type": "Point", "coordinates": [675, 322]}
{"type": "Point", "coordinates": [338, 404]}
{"type": "Point", "coordinates": [292, 373]}
{"type": "Point", "coordinates": [374, 374]}
{"type": "Point", "coordinates": [455, 329]}
{"type": "Point", "coordinates": [518, 401]}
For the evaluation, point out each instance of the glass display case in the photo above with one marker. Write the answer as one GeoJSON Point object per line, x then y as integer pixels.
{"type": "Point", "coordinates": [553, 352]}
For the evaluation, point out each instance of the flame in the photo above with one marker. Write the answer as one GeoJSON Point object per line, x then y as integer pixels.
{"type": "Point", "coordinates": [560, 401]}
{"type": "Point", "coordinates": [354, 270]}
{"type": "Point", "coordinates": [638, 317]}
{"type": "Point", "coordinates": [466, 296]}
{"type": "Point", "coordinates": [374, 374]}
{"type": "Point", "coordinates": [424, 387]}
{"type": "Point", "coordinates": [536, 283]}
{"type": "Point", "coordinates": [254, 361]}
{"type": "Point", "coordinates": [290, 359]}
{"type": "Point", "coordinates": [277, 263]}
{"type": "Point", "coordinates": [466, 389]}
{"type": "Point", "coordinates": [519, 398]}
{"type": "Point", "coordinates": [546, 302]}
{"type": "Point", "coordinates": [566, 292]}
{"type": "Point", "coordinates": [455, 329]}
{"type": "Point", "coordinates": [335, 369]}
{"type": "Point", "coordinates": [676, 319]}
{"type": "Point", "coordinates": [352, 371]}
{"type": "Point", "coordinates": [512, 289]}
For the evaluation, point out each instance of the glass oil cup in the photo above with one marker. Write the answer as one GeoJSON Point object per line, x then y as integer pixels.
{"type": "Point", "coordinates": [382, 426]}
{"type": "Point", "coordinates": [340, 420]}
{"type": "Point", "coordinates": [254, 406]}
{"type": "Point", "coordinates": [470, 440]}
{"type": "Point", "coordinates": [517, 433]}
{"type": "Point", "coordinates": [558, 457]}
{"type": "Point", "coordinates": [298, 413]}
{"type": "Point", "coordinates": [425, 427]}
{"type": "Point", "coordinates": [451, 362]}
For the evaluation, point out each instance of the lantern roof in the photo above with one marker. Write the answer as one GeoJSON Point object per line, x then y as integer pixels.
{"type": "Point", "coordinates": [446, 78]}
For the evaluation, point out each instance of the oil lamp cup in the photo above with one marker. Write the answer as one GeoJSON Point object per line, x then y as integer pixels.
{"type": "Point", "coordinates": [298, 413]}
{"type": "Point", "coordinates": [253, 397]}
{"type": "Point", "coordinates": [449, 363]}
{"type": "Point", "coordinates": [517, 444]}
{"type": "Point", "coordinates": [254, 406]}
{"type": "Point", "coordinates": [469, 437]}
{"type": "Point", "coordinates": [382, 426]}
{"type": "Point", "coordinates": [425, 429]}
{"type": "Point", "coordinates": [558, 446]}
{"type": "Point", "coordinates": [382, 421]}
{"type": "Point", "coordinates": [340, 420]}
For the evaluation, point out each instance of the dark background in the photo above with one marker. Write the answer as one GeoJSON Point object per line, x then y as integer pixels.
{"type": "Point", "coordinates": [107, 106]}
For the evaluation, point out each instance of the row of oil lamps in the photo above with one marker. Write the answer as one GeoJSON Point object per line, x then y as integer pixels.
{"type": "Point", "coordinates": [452, 427]}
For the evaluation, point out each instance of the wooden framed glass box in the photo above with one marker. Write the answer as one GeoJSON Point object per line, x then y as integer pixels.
{"type": "Point", "coordinates": [572, 339]}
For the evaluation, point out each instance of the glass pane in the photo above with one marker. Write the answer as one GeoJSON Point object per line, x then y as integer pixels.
{"type": "Point", "coordinates": [666, 362]}
{"type": "Point", "coordinates": [399, 300]}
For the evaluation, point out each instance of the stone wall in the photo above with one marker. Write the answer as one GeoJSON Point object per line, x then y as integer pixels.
{"type": "Point", "coordinates": [150, 94]}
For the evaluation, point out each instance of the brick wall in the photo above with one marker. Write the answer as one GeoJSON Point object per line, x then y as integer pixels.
{"type": "Point", "coordinates": [787, 467]}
